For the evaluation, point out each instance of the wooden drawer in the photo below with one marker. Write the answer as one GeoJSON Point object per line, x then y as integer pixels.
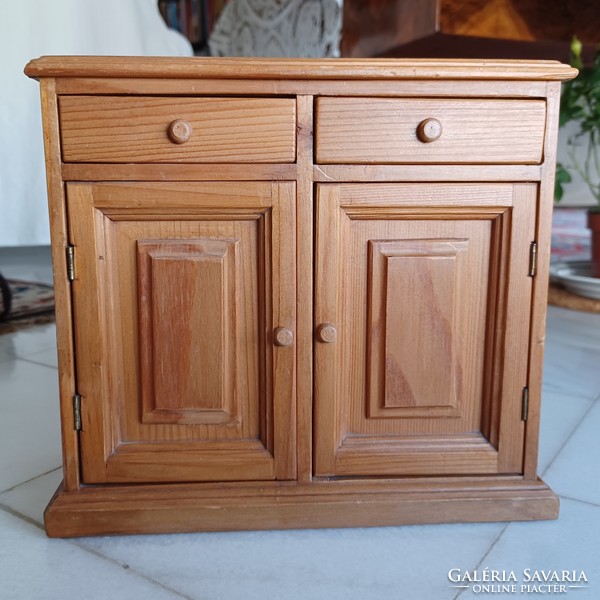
{"type": "Point", "coordinates": [154, 129]}
{"type": "Point", "coordinates": [398, 130]}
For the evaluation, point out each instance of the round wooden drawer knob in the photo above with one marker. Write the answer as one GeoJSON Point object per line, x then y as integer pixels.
{"type": "Point", "coordinates": [179, 131]}
{"type": "Point", "coordinates": [283, 337]}
{"type": "Point", "coordinates": [326, 333]}
{"type": "Point", "coordinates": [429, 130]}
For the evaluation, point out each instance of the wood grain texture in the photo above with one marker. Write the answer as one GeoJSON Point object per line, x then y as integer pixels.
{"type": "Point", "coordinates": [322, 173]}
{"type": "Point", "coordinates": [62, 289]}
{"type": "Point", "coordinates": [424, 173]}
{"type": "Point", "coordinates": [260, 297]}
{"type": "Point", "coordinates": [184, 508]}
{"type": "Point", "coordinates": [515, 348]}
{"type": "Point", "coordinates": [540, 286]}
{"type": "Point", "coordinates": [126, 129]}
{"type": "Point", "coordinates": [186, 292]}
{"type": "Point", "coordinates": [413, 295]}
{"type": "Point", "coordinates": [281, 304]}
{"type": "Point", "coordinates": [360, 435]}
{"type": "Point", "coordinates": [89, 315]}
{"type": "Point", "coordinates": [284, 68]}
{"type": "Point", "coordinates": [377, 215]}
{"type": "Point", "coordinates": [526, 88]}
{"type": "Point", "coordinates": [385, 130]}
{"type": "Point", "coordinates": [304, 298]}
{"type": "Point", "coordinates": [178, 172]}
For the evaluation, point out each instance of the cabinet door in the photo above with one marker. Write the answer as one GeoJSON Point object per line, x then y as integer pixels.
{"type": "Point", "coordinates": [422, 328]}
{"type": "Point", "coordinates": [179, 290]}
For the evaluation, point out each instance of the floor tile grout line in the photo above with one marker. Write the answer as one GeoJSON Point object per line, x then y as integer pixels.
{"type": "Point", "coordinates": [10, 489]}
{"type": "Point", "coordinates": [35, 362]}
{"type": "Point", "coordinates": [587, 502]}
{"type": "Point", "coordinates": [21, 516]}
{"type": "Point", "coordinates": [96, 553]}
{"type": "Point", "coordinates": [126, 567]}
{"type": "Point", "coordinates": [566, 393]}
{"type": "Point", "coordinates": [562, 446]}
{"type": "Point", "coordinates": [492, 546]}
{"type": "Point", "coordinates": [561, 344]}
{"type": "Point", "coordinates": [8, 359]}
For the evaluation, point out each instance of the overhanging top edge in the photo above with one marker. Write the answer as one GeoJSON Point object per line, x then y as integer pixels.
{"type": "Point", "coordinates": [283, 68]}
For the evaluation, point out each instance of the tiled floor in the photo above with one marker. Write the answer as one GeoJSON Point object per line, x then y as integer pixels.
{"type": "Point", "coordinates": [382, 563]}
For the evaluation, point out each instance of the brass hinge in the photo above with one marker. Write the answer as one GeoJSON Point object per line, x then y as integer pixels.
{"type": "Point", "coordinates": [525, 404]}
{"type": "Point", "coordinates": [532, 259]}
{"type": "Point", "coordinates": [77, 412]}
{"type": "Point", "coordinates": [71, 263]}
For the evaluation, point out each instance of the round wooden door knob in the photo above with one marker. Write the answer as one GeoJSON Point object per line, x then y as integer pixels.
{"type": "Point", "coordinates": [179, 131]}
{"type": "Point", "coordinates": [429, 130]}
{"type": "Point", "coordinates": [326, 333]}
{"type": "Point", "coordinates": [283, 336]}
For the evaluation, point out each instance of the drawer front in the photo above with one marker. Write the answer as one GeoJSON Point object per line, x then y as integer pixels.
{"type": "Point", "coordinates": [453, 131]}
{"type": "Point", "coordinates": [178, 130]}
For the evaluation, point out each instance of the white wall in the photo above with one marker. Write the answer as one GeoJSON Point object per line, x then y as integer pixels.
{"type": "Point", "coordinates": [576, 193]}
{"type": "Point", "coordinates": [30, 28]}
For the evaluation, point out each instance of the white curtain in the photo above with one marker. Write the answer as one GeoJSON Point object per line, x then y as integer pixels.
{"type": "Point", "coordinates": [31, 28]}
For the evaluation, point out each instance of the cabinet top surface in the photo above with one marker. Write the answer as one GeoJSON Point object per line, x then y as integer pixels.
{"type": "Point", "coordinates": [277, 68]}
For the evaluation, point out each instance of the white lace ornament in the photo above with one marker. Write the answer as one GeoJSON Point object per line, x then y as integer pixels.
{"type": "Point", "coordinates": [286, 28]}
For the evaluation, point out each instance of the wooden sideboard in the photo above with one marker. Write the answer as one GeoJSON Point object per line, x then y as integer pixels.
{"type": "Point", "coordinates": [298, 293]}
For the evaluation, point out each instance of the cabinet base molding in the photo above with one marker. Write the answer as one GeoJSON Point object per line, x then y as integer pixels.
{"type": "Point", "coordinates": [192, 508]}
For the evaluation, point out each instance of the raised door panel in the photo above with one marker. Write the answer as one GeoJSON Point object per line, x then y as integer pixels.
{"type": "Point", "coordinates": [178, 292]}
{"type": "Point", "coordinates": [187, 371]}
{"type": "Point", "coordinates": [416, 314]}
{"type": "Point", "coordinates": [428, 289]}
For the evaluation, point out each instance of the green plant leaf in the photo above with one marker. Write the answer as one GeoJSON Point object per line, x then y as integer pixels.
{"type": "Point", "coordinates": [580, 105]}
{"type": "Point", "coordinates": [558, 191]}
{"type": "Point", "coordinates": [562, 176]}
{"type": "Point", "coordinates": [576, 47]}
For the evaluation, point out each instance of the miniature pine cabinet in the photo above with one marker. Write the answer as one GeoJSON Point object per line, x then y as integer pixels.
{"type": "Point", "coordinates": [298, 293]}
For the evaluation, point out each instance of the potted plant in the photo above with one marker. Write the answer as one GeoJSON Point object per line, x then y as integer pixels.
{"type": "Point", "coordinates": [580, 104]}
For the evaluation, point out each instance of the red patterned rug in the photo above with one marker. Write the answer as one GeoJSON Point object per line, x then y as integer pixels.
{"type": "Point", "coordinates": [32, 304]}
